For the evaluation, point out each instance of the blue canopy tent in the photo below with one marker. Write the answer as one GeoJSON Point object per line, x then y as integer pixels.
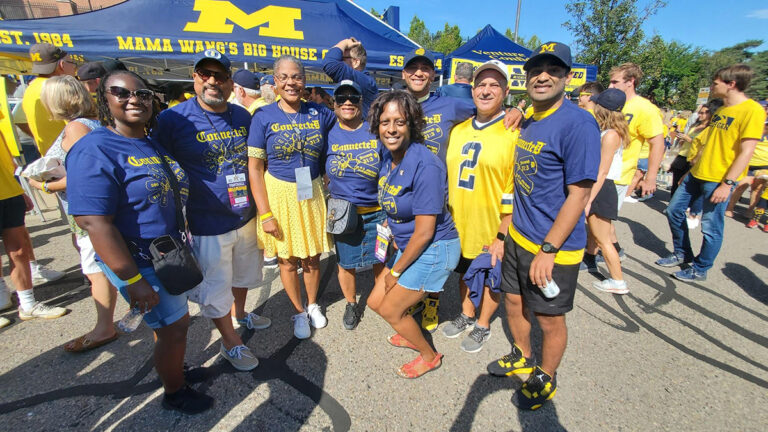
{"type": "Point", "coordinates": [489, 44]}
{"type": "Point", "coordinates": [159, 39]}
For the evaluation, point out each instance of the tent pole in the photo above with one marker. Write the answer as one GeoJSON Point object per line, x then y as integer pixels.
{"type": "Point", "coordinates": [517, 20]}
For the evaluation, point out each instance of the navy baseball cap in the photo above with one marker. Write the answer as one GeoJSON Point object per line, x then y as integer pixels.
{"type": "Point", "coordinates": [268, 80]}
{"type": "Point", "coordinates": [557, 50]}
{"type": "Point", "coordinates": [91, 70]}
{"type": "Point", "coordinates": [212, 54]}
{"type": "Point", "coordinates": [611, 99]}
{"type": "Point", "coordinates": [348, 84]}
{"type": "Point", "coordinates": [247, 79]}
{"type": "Point", "coordinates": [419, 54]}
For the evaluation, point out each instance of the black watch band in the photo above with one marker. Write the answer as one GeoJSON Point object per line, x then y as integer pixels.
{"type": "Point", "coordinates": [729, 182]}
{"type": "Point", "coordinates": [549, 248]}
{"type": "Point", "coordinates": [501, 236]}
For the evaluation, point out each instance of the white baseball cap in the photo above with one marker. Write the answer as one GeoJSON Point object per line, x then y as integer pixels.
{"type": "Point", "coordinates": [492, 64]}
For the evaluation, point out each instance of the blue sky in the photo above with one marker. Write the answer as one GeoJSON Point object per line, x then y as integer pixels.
{"type": "Point", "coordinates": [710, 24]}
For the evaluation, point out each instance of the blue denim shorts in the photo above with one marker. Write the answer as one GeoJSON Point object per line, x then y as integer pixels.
{"type": "Point", "coordinates": [642, 164]}
{"type": "Point", "coordinates": [358, 249]}
{"type": "Point", "coordinates": [170, 309]}
{"type": "Point", "coordinates": [430, 271]}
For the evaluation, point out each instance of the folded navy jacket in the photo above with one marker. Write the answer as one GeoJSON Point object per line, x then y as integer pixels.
{"type": "Point", "coordinates": [480, 274]}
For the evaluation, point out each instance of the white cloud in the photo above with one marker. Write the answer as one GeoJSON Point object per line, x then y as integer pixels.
{"type": "Point", "coordinates": [759, 13]}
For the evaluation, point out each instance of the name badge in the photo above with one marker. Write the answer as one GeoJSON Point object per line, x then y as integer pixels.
{"type": "Point", "coordinates": [383, 234]}
{"type": "Point", "coordinates": [303, 183]}
{"type": "Point", "coordinates": [238, 191]}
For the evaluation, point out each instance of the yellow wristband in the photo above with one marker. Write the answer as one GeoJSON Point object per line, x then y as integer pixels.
{"type": "Point", "coordinates": [134, 279]}
{"type": "Point", "coordinates": [265, 216]}
{"type": "Point", "coordinates": [44, 186]}
{"type": "Point", "coordinates": [394, 273]}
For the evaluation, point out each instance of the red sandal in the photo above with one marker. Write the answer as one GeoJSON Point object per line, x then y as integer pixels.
{"type": "Point", "coordinates": [400, 342]}
{"type": "Point", "coordinates": [409, 371]}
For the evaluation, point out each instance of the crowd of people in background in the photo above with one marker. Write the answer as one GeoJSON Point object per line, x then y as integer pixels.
{"type": "Point", "coordinates": [251, 171]}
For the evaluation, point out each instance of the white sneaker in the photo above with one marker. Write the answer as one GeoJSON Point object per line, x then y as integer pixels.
{"type": "Point", "coordinates": [316, 317]}
{"type": "Point", "coordinates": [301, 325]}
{"type": "Point", "coordinates": [629, 199]}
{"type": "Point", "coordinates": [270, 263]}
{"type": "Point", "coordinates": [692, 222]}
{"type": "Point", "coordinates": [42, 274]}
{"type": "Point", "coordinates": [612, 286]}
{"type": "Point", "coordinates": [41, 310]}
{"type": "Point", "coordinates": [4, 322]}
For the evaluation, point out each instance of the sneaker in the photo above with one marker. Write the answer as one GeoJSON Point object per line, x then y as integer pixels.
{"type": "Point", "coordinates": [41, 310]}
{"type": "Point", "coordinates": [644, 198]}
{"type": "Point", "coordinates": [751, 224]}
{"type": "Point", "coordinates": [690, 275]}
{"type": "Point", "coordinates": [629, 199]}
{"type": "Point", "coordinates": [765, 228]}
{"type": "Point", "coordinates": [537, 389]}
{"type": "Point", "coordinates": [241, 357]}
{"type": "Point", "coordinates": [4, 322]}
{"type": "Point", "coordinates": [270, 263]}
{"type": "Point", "coordinates": [418, 307]}
{"type": "Point", "coordinates": [458, 326]}
{"type": "Point", "coordinates": [692, 222]}
{"type": "Point", "coordinates": [612, 286]}
{"type": "Point", "coordinates": [351, 317]}
{"type": "Point", "coordinates": [672, 260]}
{"type": "Point", "coordinates": [187, 400]}
{"type": "Point", "coordinates": [5, 299]}
{"type": "Point", "coordinates": [583, 266]}
{"type": "Point", "coordinates": [301, 325]}
{"type": "Point", "coordinates": [599, 259]}
{"type": "Point", "coordinates": [42, 274]}
{"type": "Point", "coordinates": [512, 364]}
{"type": "Point", "coordinates": [316, 317]}
{"type": "Point", "coordinates": [252, 321]}
{"type": "Point", "coordinates": [476, 339]}
{"type": "Point", "coordinates": [429, 319]}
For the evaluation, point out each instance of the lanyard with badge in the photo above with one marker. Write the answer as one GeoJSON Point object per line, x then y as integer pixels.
{"type": "Point", "coordinates": [237, 188]}
{"type": "Point", "coordinates": [303, 173]}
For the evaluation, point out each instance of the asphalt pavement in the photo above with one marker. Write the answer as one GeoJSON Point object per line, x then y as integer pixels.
{"type": "Point", "coordinates": [667, 356]}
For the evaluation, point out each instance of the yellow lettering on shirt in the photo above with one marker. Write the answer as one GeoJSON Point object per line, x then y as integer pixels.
{"type": "Point", "coordinates": [202, 136]}
{"type": "Point", "coordinates": [314, 124]}
{"type": "Point", "coordinates": [356, 146]}
{"type": "Point", "coordinates": [435, 118]}
{"type": "Point", "coordinates": [529, 146]}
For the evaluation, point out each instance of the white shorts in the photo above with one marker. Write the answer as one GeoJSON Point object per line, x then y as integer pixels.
{"type": "Point", "coordinates": [232, 259]}
{"type": "Point", "coordinates": [87, 256]}
{"type": "Point", "coordinates": [621, 191]}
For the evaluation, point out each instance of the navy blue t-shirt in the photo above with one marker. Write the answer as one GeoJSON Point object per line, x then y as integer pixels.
{"type": "Point", "coordinates": [211, 147]}
{"type": "Point", "coordinates": [334, 67]}
{"type": "Point", "coordinates": [352, 163]}
{"type": "Point", "coordinates": [554, 150]}
{"type": "Point", "coordinates": [286, 146]}
{"type": "Point", "coordinates": [108, 174]}
{"type": "Point", "coordinates": [416, 186]}
{"type": "Point", "coordinates": [441, 114]}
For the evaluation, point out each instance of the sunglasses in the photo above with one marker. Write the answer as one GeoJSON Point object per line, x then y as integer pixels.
{"type": "Point", "coordinates": [123, 94]}
{"type": "Point", "coordinates": [340, 99]}
{"type": "Point", "coordinates": [206, 74]}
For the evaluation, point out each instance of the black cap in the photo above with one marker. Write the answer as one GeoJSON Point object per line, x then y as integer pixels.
{"type": "Point", "coordinates": [113, 64]}
{"type": "Point", "coordinates": [91, 70]}
{"type": "Point", "coordinates": [246, 79]}
{"type": "Point", "coordinates": [419, 54]}
{"type": "Point", "coordinates": [559, 51]}
{"type": "Point", "coordinates": [611, 99]}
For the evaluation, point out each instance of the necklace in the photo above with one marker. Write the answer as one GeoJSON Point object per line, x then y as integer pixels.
{"type": "Point", "coordinates": [295, 122]}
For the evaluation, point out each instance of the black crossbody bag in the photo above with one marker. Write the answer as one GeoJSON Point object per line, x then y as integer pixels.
{"type": "Point", "coordinates": [341, 217]}
{"type": "Point", "coordinates": [175, 264]}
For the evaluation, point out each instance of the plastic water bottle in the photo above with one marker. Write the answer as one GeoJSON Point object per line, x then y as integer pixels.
{"type": "Point", "coordinates": [130, 321]}
{"type": "Point", "coordinates": [550, 290]}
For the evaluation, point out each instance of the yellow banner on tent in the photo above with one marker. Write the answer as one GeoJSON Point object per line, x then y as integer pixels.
{"type": "Point", "coordinates": [6, 123]}
{"type": "Point", "coordinates": [517, 74]}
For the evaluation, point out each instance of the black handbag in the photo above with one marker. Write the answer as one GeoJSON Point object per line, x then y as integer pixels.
{"type": "Point", "coordinates": [175, 264]}
{"type": "Point", "coordinates": [341, 217]}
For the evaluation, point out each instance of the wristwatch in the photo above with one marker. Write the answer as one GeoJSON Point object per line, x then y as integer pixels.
{"type": "Point", "coordinates": [549, 248]}
{"type": "Point", "coordinates": [501, 236]}
{"type": "Point", "coordinates": [729, 182]}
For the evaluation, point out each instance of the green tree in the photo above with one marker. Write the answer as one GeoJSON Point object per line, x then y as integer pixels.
{"type": "Point", "coordinates": [532, 43]}
{"type": "Point", "coordinates": [375, 13]}
{"type": "Point", "coordinates": [759, 87]}
{"type": "Point", "coordinates": [607, 32]}
{"type": "Point", "coordinates": [671, 71]}
{"type": "Point", "coordinates": [419, 33]}
{"type": "Point", "coordinates": [448, 40]}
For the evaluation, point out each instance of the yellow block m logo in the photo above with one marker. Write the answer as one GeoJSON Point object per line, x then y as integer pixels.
{"type": "Point", "coordinates": [547, 48]}
{"type": "Point", "coordinates": [214, 15]}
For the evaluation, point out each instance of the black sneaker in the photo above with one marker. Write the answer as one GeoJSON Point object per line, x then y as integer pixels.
{"type": "Point", "coordinates": [187, 400]}
{"type": "Point", "coordinates": [512, 364]}
{"type": "Point", "coordinates": [539, 388]}
{"type": "Point", "coordinates": [351, 317]}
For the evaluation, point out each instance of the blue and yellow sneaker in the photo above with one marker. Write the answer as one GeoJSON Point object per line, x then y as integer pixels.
{"type": "Point", "coordinates": [513, 363]}
{"type": "Point", "coordinates": [429, 318]}
{"type": "Point", "coordinates": [539, 388]}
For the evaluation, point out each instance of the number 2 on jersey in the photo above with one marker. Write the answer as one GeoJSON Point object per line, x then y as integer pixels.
{"type": "Point", "coordinates": [469, 164]}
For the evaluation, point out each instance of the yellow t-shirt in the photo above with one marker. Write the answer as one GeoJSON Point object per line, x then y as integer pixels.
{"type": "Point", "coordinates": [644, 123]}
{"type": "Point", "coordinates": [760, 156]}
{"type": "Point", "coordinates": [480, 162]}
{"type": "Point", "coordinates": [698, 143]}
{"type": "Point", "coordinates": [44, 129]}
{"type": "Point", "coordinates": [685, 149]}
{"type": "Point", "coordinates": [680, 122]}
{"type": "Point", "coordinates": [730, 125]}
{"type": "Point", "coordinates": [258, 103]}
{"type": "Point", "coordinates": [9, 187]}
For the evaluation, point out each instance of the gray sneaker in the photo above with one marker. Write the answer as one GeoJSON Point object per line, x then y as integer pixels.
{"type": "Point", "coordinates": [41, 310]}
{"type": "Point", "coordinates": [252, 322]}
{"type": "Point", "coordinates": [241, 357]}
{"type": "Point", "coordinates": [456, 327]}
{"type": "Point", "coordinates": [476, 339]}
